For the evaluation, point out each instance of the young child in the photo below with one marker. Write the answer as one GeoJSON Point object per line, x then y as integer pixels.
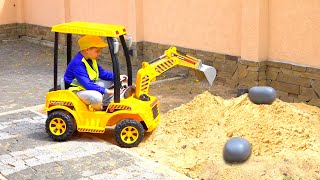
{"type": "Point", "coordinates": [86, 77]}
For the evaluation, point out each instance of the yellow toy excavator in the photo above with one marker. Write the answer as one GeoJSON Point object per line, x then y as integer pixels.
{"type": "Point", "coordinates": [132, 115]}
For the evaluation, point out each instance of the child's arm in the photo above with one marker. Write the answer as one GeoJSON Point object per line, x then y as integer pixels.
{"type": "Point", "coordinates": [104, 74]}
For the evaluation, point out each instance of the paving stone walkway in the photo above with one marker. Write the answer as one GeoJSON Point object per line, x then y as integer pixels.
{"type": "Point", "coordinates": [26, 152]}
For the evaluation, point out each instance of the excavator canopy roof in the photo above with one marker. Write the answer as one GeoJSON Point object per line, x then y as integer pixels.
{"type": "Point", "coordinates": [88, 28]}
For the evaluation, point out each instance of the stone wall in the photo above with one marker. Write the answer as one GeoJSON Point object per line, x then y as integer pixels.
{"type": "Point", "coordinates": [293, 83]}
{"type": "Point", "coordinates": [40, 33]}
{"type": "Point", "coordinates": [8, 31]}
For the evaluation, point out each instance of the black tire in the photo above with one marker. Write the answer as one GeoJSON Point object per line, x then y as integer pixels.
{"type": "Point", "coordinates": [132, 126]}
{"type": "Point", "coordinates": [63, 118]}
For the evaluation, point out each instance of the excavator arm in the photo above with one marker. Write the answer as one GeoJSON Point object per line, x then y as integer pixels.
{"type": "Point", "coordinates": [170, 58]}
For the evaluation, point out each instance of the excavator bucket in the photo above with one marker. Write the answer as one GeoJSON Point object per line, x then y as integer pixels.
{"type": "Point", "coordinates": [206, 74]}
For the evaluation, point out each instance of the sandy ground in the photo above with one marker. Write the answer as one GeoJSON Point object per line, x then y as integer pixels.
{"type": "Point", "coordinates": [284, 137]}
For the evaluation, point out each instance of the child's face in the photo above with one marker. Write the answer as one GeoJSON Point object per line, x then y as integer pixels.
{"type": "Point", "coordinates": [93, 53]}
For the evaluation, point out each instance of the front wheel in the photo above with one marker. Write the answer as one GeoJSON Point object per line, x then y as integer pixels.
{"type": "Point", "coordinates": [129, 133]}
{"type": "Point", "coordinates": [60, 126]}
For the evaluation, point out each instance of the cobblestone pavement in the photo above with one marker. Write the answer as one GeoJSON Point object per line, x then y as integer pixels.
{"type": "Point", "coordinates": [26, 74]}
{"type": "Point", "coordinates": [26, 152]}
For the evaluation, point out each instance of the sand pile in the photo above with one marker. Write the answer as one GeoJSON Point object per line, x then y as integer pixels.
{"type": "Point", "coordinates": [285, 138]}
{"type": "Point", "coordinates": [271, 129]}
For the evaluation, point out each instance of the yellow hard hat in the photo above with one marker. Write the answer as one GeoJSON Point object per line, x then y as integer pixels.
{"type": "Point", "coordinates": [89, 41]}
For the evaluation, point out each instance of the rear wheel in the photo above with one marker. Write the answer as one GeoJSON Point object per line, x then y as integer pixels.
{"type": "Point", "coordinates": [60, 126]}
{"type": "Point", "coordinates": [129, 133]}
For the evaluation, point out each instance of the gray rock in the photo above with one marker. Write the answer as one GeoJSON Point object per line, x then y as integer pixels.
{"type": "Point", "coordinates": [236, 150]}
{"type": "Point", "coordinates": [262, 95]}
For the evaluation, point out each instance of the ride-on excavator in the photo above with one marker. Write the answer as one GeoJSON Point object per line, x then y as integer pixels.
{"type": "Point", "coordinates": [133, 110]}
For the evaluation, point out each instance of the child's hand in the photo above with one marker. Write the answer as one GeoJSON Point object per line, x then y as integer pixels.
{"type": "Point", "coordinates": [109, 91]}
{"type": "Point", "coordinates": [124, 78]}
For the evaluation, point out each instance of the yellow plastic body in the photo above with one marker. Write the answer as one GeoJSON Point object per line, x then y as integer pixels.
{"type": "Point", "coordinates": [88, 120]}
{"type": "Point", "coordinates": [128, 133]}
{"type": "Point", "coordinates": [146, 112]}
{"type": "Point", "coordinates": [85, 118]}
{"type": "Point", "coordinates": [88, 28]}
{"type": "Point", "coordinates": [149, 72]}
{"type": "Point", "coordinates": [57, 126]}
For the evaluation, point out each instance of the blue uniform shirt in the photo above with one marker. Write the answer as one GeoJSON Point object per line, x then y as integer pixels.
{"type": "Point", "coordinates": [77, 69]}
